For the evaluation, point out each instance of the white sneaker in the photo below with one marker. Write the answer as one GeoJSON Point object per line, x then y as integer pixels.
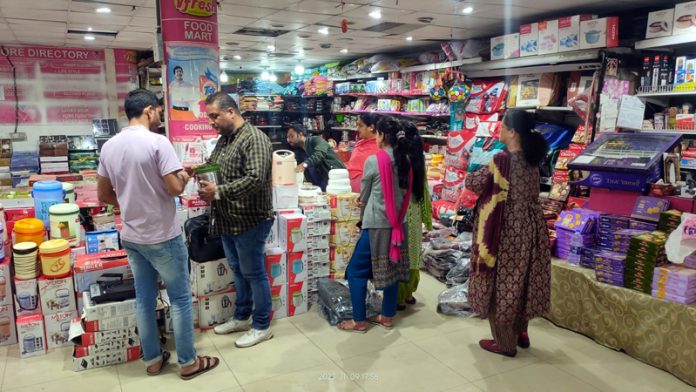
{"type": "Point", "coordinates": [233, 326]}
{"type": "Point", "coordinates": [254, 337]}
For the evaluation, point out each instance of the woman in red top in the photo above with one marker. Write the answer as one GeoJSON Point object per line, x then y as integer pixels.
{"type": "Point", "coordinates": [366, 146]}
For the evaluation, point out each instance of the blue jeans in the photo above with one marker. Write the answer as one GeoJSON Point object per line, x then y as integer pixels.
{"type": "Point", "coordinates": [169, 260]}
{"type": "Point", "coordinates": [358, 272]}
{"type": "Point", "coordinates": [245, 254]}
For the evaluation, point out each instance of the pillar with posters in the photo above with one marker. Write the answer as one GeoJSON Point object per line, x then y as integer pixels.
{"type": "Point", "coordinates": [191, 51]}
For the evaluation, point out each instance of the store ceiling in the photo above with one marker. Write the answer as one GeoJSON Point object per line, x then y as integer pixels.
{"type": "Point", "coordinates": [47, 22]}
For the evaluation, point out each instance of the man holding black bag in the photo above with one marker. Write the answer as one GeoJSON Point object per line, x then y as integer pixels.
{"type": "Point", "coordinates": [242, 214]}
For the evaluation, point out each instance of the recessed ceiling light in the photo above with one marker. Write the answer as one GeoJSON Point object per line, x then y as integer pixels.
{"type": "Point", "coordinates": [265, 75]}
{"type": "Point", "coordinates": [376, 14]}
{"type": "Point", "coordinates": [324, 30]}
{"type": "Point", "coordinates": [273, 78]}
{"type": "Point", "coordinates": [89, 29]}
{"type": "Point", "coordinates": [409, 38]}
{"type": "Point", "coordinates": [344, 51]}
{"type": "Point", "coordinates": [299, 69]}
{"type": "Point", "coordinates": [223, 77]}
{"type": "Point", "coordinates": [90, 37]}
{"type": "Point", "coordinates": [103, 10]}
{"type": "Point", "coordinates": [468, 10]}
{"type": "Point", "coordinates": [237, 57]}
{"type": "Point", "coordinates": [271, 48]}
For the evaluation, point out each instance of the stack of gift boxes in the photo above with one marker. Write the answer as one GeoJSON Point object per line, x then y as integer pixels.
{"type": "Point", "coordinates": [609, 267]}
{"type": "Point", "coordinates": [575, 230]}
{"type": "Point", "coordinates": [212, 283]}
{"type": "Point", "coordinates": [318, 263]}
{"type": "Point", "coordinates": [675, 284]}
{"type": "Point", "coordinates": [287, 254]}
{"type": "Point", "coordinates": [646, 252]}
{"type": "Point", "coordinates": [345, 215]}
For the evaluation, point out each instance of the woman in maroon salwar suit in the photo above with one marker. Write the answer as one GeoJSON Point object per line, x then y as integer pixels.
{"type": "Point", "coordinates": [510, 273]}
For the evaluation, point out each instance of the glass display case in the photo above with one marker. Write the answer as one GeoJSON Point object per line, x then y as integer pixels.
{"type": "Point", "coordinates": [625, 161]}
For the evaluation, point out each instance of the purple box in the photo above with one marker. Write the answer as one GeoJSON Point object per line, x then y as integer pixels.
{"type": "Point", "coordinates": [675, 291]}
{"type": "Point", "coordinates": [649, 208]}
{"type": "Point", "coordinates": [639, 225]}
{"type": "Point", "coordinates": [674, 298]}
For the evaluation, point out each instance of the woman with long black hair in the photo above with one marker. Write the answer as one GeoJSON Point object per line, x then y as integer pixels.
{"type": "Point", "coordinates": [511, 263]}
{"type": "Point", "coordinates": [420, 212]}
{"type": "Point", "coordinates": [365, 147]}
{"type": "Point", "coordinates": [381, 253]}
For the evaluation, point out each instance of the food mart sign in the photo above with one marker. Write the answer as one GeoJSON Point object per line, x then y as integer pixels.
{"type": "Point", "coordinates": [189, 21]}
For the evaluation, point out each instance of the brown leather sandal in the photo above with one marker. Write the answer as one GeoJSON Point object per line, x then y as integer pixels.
{"type": "Point", "coordinates": [205, 364]}
{"type": "Point", "coordinates": [165, 359]}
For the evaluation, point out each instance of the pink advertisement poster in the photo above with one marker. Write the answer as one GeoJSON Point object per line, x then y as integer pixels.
{"type": "Point", "coordinates": [54, 85]}
{"type": "Point", "coordinates": [191, 52]}
{"type": "Point", "coordinates": [126, 76]}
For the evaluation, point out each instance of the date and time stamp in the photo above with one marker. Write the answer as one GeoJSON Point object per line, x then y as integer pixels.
{"type": "Point", "coordinates": [340, 376]}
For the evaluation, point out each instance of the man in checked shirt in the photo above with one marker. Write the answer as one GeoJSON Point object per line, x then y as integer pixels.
{"type": "Point", "coordinates": [242, 213]}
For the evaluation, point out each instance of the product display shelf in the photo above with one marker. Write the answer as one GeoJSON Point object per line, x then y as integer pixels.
{"type": "Point", "coordinates": [261, 111]}
{"type": "Point", "coordinates": [667, 94]}
{"type": "Point", "coordinates": [435, 137]}
{"type": "Point", "coordinates": [395, 113]}
{"type": "Point", "coordinates": [268, 126]}
{"type": "Point", "coordinates": [313, 112]}
{"type": "Point", "coordinates": [360, 76]}
{"type": "Point", "coordinates": [344, 129]}
{"type": "Point", "coordinates": [670, 132]}
{"type": "Point", "coordinates": [391, 94]}
{"type": "Point", "coordinates": [547, 109]}
{"type": "Point", "coordinates": [666, 42]}
{"type": "Point", "coordinates": [444, 65]}
{"type": "Point", "coordinates": [307, 96]}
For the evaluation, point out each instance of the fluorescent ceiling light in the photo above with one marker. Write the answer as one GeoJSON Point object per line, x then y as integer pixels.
{"type": "Point", "coordinates": [344, 51]}
{"type": "Point", "coordinates": [237, 57]}
{"type": "Point", "coordinates": [273, 78]}
{"type": "Point", "coordinates": [299, 69]}
{"type": "Point", "coordinates": [376, 14]}
{"type": "Point", "coordinates": [265, 75]}
{"type": "Point", "coordinates": [271, 48]}
{"type": "Point", "coordinates": [468, 10]}
{"type": "Point", "coordinates": [324, 30]}
{"type": "Point", "coordinates": [409, 38]}
{"type": "Point", "coordinates": [90, 37]}
{"type": "Point", "coordinates": [103, 10]}
{"type": "Point", "coordinates": [223, 77]}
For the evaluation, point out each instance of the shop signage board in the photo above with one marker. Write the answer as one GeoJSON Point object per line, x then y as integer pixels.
{"type": "Point", "coordinates": [54, 85]}
{"type": "Point", "coordinates": [191, 52]}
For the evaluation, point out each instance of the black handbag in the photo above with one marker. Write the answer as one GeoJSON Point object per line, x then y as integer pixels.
{"type": "Point", "coordinates": [202, 246]}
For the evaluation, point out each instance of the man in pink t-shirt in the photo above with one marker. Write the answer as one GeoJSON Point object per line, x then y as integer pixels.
{"type": "Point", "coordinates": [140, 172]}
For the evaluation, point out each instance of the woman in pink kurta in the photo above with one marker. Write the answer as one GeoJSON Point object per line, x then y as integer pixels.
{"type": "Point", "coordinates": [365, 147]}
{"type": "Point", "coordinates": [511, 263]}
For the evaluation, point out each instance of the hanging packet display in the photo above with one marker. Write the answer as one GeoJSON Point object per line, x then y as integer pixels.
{"type": "Point", "coordinates": [487, 97]}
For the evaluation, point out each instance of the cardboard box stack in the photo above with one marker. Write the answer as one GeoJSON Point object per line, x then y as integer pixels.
{"type": "Point", "coordinates": [609, 267]}
{"type": "Point", "coordinates": [645, 253]}
{"type": "Point", "coordinates": [212, 284]}
{"type": "Point", "coordinates": [317, 257]}
{"type": "Point", "coordinates": [8, 332]}
{"type": "Point", "coordinates": [345, 215]}
{"type": "Point", "coordinates": [114, 342]}
{"type": "Point", "coordinates": [287, 251]}
{"type": "Point", "coordinates": [675, 283]}
{"type": "Point", "coordinates": [53, 154]}
{"type": "Point", "coordinates": [59, 307]}
{"type": "Point", "coordinates": [105, 334]}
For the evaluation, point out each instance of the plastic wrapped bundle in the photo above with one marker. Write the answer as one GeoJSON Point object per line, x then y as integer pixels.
{"type": "Point", "coordinates": [455, 301]}
{"type": "Point", "coordinates": [335, 303]}
{"type": "Point", "coordinates": [459, 274]}
{"type": "Point", "coordinates": [439, 262]}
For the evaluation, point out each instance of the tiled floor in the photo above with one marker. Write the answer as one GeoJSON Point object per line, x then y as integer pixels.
{"type": "Point", "coordinates": [426, 351]}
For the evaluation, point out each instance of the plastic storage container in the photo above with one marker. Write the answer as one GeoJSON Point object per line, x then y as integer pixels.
{"type": "Point", "coordinates": [209, 173]}
{"type": "Point", "coordinates": [29, 230]}
{"type": "Point", "coordinates": [284, 165]}
{"type": "Point", "coordinates": [69, 190]}
{"type": "Point", "coordinates": [46, 194]}
{"type": "Point", "coordinates": [24, 259]}
{"type": "Point", "coordinates": [55, 258]}
{"type": "Point", "coordinates": [65, 223]}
